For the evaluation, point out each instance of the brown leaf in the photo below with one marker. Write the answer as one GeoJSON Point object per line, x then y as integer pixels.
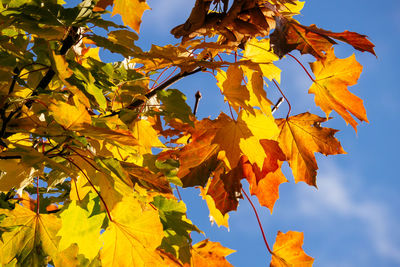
{"type": "Point", "coordinates": [225, 189]}
{"type": "Point", "coordinates": [290, 35]}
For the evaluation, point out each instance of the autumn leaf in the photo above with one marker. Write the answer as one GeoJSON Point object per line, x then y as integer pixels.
{"type": "Point", "coordinates": [177, 227]}
{"type": "Point", "coordinates": [290, 35]}
{"type": "Point", "coordinates": [260, 52]}
{"type": "Point", "coordinates": [215, 214]}
{"type": "Point", "coordinates": [287, 251]}
{"type": "Point", "coordinates": [32, 238]}
{"type": "Point", "coordinates": [131, 12]}
{"type": "Point", "coordinates": [265, 182]}
{"type": "Point", "coordinates": [132, 236]}
{"type": "Point", "coordinates": [209, 254]}
{"type": "Point", "coordinates": [81, 227]}
{"type": "Point", "coordinates": [243, 136]}
{"type": "Point", "coordinates": [300, 137]}
{"type": "Point", "coordinates": [332, 77]}
{"type": "Point", "coordinates": [15, 174]}
{"type": "Point", "coordinates": [235, 92]}
{"type": "Point", "coordinates": [146, 136]}
{"type": "Point", "coordinates": [225, 188]}
{"type": "Point", "coordinates": [73, 117]}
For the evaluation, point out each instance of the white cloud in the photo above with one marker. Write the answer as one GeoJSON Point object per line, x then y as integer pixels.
{"type": "Point", "coordinates": [337, 194]}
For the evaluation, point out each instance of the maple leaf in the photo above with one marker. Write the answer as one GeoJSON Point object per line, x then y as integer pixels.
{"type": "Point", "coordinates": [177, 227]}
{"type": "Point", "coordinates": [225, 188]}
{"type": "Point", "coordinates": [207, 253]}
{"type": "Point", "coordinates": [146, 136]}
{"type": "Point", "coordinates": [290, 35]}
{"type": "Point", "coordinates": [287, 251]}
{"type": "Point", "coordinates": [332, 77]}
{"type": "Point", "coordinates": [260, 52]}
{"type": "Point", "coordinates": [133, 235]}
{"type": "Point", "coordinates": [230, 83]}
{"type": "Point", "coordinates": [131, 11]}
{"type": "Point", "coordinates": [255, 86]}
{"type": "Point", "coordinates": [215, 214]}
{"type": "Point", "coordinates": [15, 173]}
{"type": "Point", "coordinates": [32, 238]}
{"type": "Point", "coordinates": [300, 137]}
{"type": "Point", "coordinates": [243, 136]}
{"type": "Point", "coordinates": [73, 117]}
{"type": "Point", "coordinates": [264, 183]}
{"type": "Point", "coordinates": [81, 227]}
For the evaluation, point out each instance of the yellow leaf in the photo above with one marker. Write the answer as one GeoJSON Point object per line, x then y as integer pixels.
{"type": "Point", "coordinates": [332, 77]}
{"type": "Point", "coordinates": [300, 137]}
{"type": "Point", "coordinates": [243, 136]}
{"type": "Point", "coordinates": [260, 52]}
{"type": "Point", "coordinates": [92, 52]}
{"type": "Point", "coordinates": [131, 12]}
{"type": "Point", "coordinates": [207, 254]}
{"type": "Point", "coordinates": [69, 116]}
{"type": "Point", "coordinates": [80, 227]}
{"type": "Point", "coordinates": [215, 215]}
{"type": "Point", "coordinates": [146, 136]}
{"type": "Point", "coordinates": [62, 66]}
{"type": "Point", "coordinates": [78, 188]}
{"type": "Point", "coordinates": [287, 251]}
{"type": "Point", "coordinates": [133, 236]}
{"type": "Point", "coordinates": [33, 236]}
{"type": "Point", "coordinates": [230, 83]}
{"type": "Point", "coordinates": [255, 85]}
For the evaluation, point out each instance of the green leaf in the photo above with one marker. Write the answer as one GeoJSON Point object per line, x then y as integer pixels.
{"type": "Point", "coordinates": [174, 105]}
{"type": "Point", "coordinates": [78, 226]}
{"type": "Point", "coordinates": [176, 227]}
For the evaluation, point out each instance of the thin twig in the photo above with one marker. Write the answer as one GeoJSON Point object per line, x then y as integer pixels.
{"type": "Point", "coordinates": [290, 106]}
{"type": "Point", "coordinates": [164, 85]}
{"type": "Point", "coordinates": [196, 104]}
{"type": "Point", "coordinates": [276, 106]}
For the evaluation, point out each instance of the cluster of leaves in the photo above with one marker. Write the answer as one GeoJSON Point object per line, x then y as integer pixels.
{"type": "Point", "coordinates": [90, 151]}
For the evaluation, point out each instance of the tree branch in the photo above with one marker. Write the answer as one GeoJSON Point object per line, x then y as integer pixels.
{"type": "Point", "coordinates": [159, 88]}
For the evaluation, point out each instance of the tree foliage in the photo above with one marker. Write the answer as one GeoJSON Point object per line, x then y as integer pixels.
{"type": "Point", "coordinates": [91, 152]}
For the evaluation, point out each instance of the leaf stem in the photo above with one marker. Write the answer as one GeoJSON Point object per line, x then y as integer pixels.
{"type": "Point", "coordinates": [94, 188]}
{"type": "Point", "coordinates": [258, 220]}
{"type": "Point", "coordinates": [304, 68]}
{"type": "Point", "coordinates": [37, 195]}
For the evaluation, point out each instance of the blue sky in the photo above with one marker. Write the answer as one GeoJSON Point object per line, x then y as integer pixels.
{"type": "Point", "coordinates": [353, 218]}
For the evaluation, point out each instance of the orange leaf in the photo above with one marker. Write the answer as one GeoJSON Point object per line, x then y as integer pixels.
{"type": "Point", "coordinates": [265, 188]}
{"type": "Point", "coordinates": [131, 12]}
{"type": "Point", "coordinates": [287, 251]}
{"type": "Point", "coordinates": [300, 137]}
{"type": "Point", "coordinates": [332, 77]}
{"type": "Point", "coordinates": [208, 254]}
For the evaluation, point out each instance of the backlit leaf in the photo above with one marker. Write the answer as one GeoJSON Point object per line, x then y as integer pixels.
{"type": "Point", "coordinates": [209, 254]}
{"type": "Point", "coordinates": [133, 236]}
{"type": "Point", "coordinates": [287, 251]}
{"type": "Point", "coordinates": [300, 137]}
{"type": "Point", "coordinates": [80, 227]}
{"type": "Point", "coordinates": [332, 77]}
{"type": "Point", "coordinates": [32, 239]}
{"type": "Point", "coordinates": [131, 11]}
